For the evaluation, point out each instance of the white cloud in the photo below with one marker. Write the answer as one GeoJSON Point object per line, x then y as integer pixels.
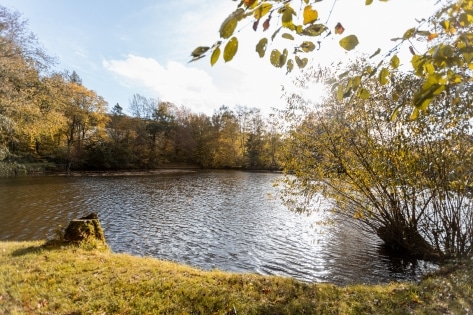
{"type": "Point", "coordinates": [172, 82]}
{"type": "Point", "coordinates": [194, 88]}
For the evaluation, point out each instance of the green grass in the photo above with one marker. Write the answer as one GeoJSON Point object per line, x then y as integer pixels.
{"type": "Point", "coordinates": [39, 278]}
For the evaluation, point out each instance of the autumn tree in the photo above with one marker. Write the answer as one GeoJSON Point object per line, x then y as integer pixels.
{"type": "Point", "coordinates": [409, 182]}
{"type": "Point", "coordinates": [228, 148]}
{"type": "Point", "coordinates": [85, 115]}
{"type": "Point", "coordinates": [24, 110]}
{"type": "Point", "coordinates": [182, 137]}
{"type": "Point", "coordinates": [205, 137]}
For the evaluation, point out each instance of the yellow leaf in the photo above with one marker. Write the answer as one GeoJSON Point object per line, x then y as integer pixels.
{"type": "Point", "coordinates": [310, 15]}
{"type": "Point", "coordinates": [349, 42]}
{"type": "Point", "coordinates": [286, 18]}
{"type": "Point", "coordinates": [301, 63]}
{"type": "Point", "coordinates": [409, 33]}
{"type": "Point", "coordinates": [364, 94]}
{"type": "Point", "coordinates": [228, 27]}
{"type": "Point", "coordinates": [289, 65]}
{"type": "Point", "coordinates": [307, 46]}
{"type": "Point", "coordinates": [199, 51]}
{"type": "Point", "coordinates": [287, 36]}
{"type": "Point", "coordinates": [395, 62]}
{"type": "Point", "coordinates": [230, 49]}
{"type": "Point", "coordinates": [215, 56]}
{"type": "Point", "coordinates": [383, 76]}
{"type": "Point", "coordinates": [261, 47]}
{"type": "Point", "coordinates": [262, 10]}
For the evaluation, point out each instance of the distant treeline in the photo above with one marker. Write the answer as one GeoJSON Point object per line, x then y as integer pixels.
{"type": "Point", "coordinates": [51, 116]}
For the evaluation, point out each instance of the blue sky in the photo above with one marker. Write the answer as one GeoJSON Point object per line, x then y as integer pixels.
{"type": "Point", "coordinates": [123, 47]}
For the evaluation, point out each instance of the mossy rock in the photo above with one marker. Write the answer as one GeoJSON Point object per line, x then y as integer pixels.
{"type": "Point", "coordinates": [84, 228]}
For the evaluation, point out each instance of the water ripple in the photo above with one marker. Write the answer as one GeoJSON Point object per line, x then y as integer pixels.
{"type": "Point", "coordinates": [223, 220]}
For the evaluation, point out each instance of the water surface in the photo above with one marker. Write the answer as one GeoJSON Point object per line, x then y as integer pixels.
{"type": "Point", "coordinates": [231, 220]}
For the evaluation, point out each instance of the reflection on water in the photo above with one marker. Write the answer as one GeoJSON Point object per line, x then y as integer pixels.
{"type": "Point", "coordinates": [232, 221]}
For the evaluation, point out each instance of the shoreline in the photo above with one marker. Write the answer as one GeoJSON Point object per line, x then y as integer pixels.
{"type": "Point", "coordinates": [38, 277]}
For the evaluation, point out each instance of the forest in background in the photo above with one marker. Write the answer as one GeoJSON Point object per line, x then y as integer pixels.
{"type": "Point", "coordinates": [51, 117]}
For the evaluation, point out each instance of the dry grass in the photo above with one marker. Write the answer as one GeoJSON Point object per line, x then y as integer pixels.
{"type": "Point", "coordinates": [89, 279]}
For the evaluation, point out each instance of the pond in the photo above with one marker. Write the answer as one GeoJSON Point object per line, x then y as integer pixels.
{"type": "Point", "coordinates": [229, 220]}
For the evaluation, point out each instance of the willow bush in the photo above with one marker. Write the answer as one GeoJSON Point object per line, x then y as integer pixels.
{"type": "Point", "coordinates": [407, 181]}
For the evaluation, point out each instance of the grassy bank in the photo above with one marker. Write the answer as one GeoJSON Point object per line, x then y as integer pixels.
{"type": "Point", "coordinates": [86, 279]}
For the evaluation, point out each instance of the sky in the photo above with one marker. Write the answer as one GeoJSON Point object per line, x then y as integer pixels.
{"type": "Point", "coordinates": [120, 48]}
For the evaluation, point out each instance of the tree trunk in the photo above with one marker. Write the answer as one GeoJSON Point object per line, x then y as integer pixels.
{"type": "Point", "coordinates": [405, 240]}
{"type": "Point", "coordinates": [84, 228]}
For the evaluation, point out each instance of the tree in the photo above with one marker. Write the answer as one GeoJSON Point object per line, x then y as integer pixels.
{"type": "Point", "coordinates": [142, 107]}
{"type": "Point", "coordinates": [85, 115]}
{"type": "Point", "coordinates": [205, 136]}
{"type": "Point", "coordinates": [227, 149]}
{"type": "Point", "coordinates": [446, 62]}
{"type": "Point", "coordinates": [255, 141]}
{"type": "Point", "coordinates": [26, 112]}
{"type": "Point", "coordinates": [409, 182]}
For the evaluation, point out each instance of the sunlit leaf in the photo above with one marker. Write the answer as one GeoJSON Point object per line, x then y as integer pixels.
{"type": "Point", "coordinates": [229, 25]}
{"type": "Point", "coordinates": [230, 49]}
{"type": "Point", "coordinates": [424, 96]}
{"type": "Point", "coordinates": [199, 51]}
{"type": "Point", "coordinates": [301, 63]}
{"type": "Point", "coordinates": [418, 64]}
{"type": "Point", "coordinates": [339, 29]}
{"type": "Point", "coordinates": [394, 62]}
{"type": "Point", "coordinates": [287, 36]}
{"type": "Point", "coordinates": [283, 58]}
{"type": "Point", "coordinates": [445, 24]}
{"type": "Point", "coordinates": [289, 65]}
{"type": "Point", "coordinates": [466, 19]}
{"type": "Point", "coordinates": [409, 33]}
{"type": "Point", "coordinates": [261, 47]}
{"type": "Point", "coordinates": [349, 42]}
{"type": "Point", "coordinates": [429, 68]}
{"type": "Point", "coordinates": [278, 59]}
{"type": "Point", "coordinates": [364, 94]}
{"type": "Point", "coordinates": [307, 46]}
{"type": "Point", "coordinates": [383, 76]}
{"type": "Point", "coordinates": [314, 30]}
{"type": "Point", "coordinates": [446, 51]}
{"type": "Point", "coordinates": [310, 15]}
{"type": "Point", "coordinates": [275, 58]}
{"type": "Point", "coordinates": [262, 10]}
{"type": "Point", "coordinates": [286, 17]}
{"type": "Point", "coordinates": [215, 56]}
